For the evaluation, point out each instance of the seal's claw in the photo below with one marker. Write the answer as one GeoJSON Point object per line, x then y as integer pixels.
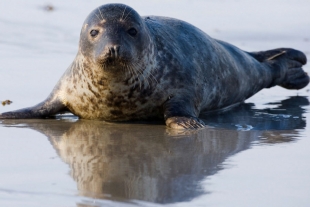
{"type": "Point", "coordinates": [181, 122]}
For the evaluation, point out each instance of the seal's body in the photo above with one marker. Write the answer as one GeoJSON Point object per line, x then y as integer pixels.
{"type": "Point", "coordinates": [130, 67]}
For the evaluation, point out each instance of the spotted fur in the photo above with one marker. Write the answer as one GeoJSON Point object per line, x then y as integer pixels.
{"type": "Point", "coordinates": [130, 67]}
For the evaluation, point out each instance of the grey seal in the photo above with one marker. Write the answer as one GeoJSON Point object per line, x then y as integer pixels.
{"type": "Point", "coordinates": [130, 67]}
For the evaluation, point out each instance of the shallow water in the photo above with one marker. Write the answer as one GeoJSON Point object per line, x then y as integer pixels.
{"type": "Point", "coordinates": [257, 154]}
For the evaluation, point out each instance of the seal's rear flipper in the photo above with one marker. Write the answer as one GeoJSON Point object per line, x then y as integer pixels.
{"type": "Point", "coordinates": [44, 109]}
{"type": "Point", "coordinates": [277, 53]}
{"type": "Point", "coordinates": [296, 78]}
{"type": "Point", "coordinates": [287, 64]}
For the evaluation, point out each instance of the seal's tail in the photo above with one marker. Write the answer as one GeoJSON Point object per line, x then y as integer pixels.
{"type": "Point", "coordinates": [287, 64]}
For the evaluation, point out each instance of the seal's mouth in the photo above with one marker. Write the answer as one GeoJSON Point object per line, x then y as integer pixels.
{"type": "Point", "coordinates": [110, 61]}
{"type": "Point", "coordinates": [113, 63]}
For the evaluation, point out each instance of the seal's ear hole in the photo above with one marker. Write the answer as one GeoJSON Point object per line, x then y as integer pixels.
{"type": "Point", "coordinates": [132, 32]}
{"type": "Point", "coordinates": [94, 33]}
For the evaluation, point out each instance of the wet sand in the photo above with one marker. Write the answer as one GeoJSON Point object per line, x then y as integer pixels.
{"type": "Point", "coordinates": [254, 155]}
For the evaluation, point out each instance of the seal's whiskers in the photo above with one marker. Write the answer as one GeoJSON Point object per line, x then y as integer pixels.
{"type": "Point", "coordinates": [127, 15]}
{"type": "Point", "coordinates": [123, 13]}
{"type": "Point", "coordinates": [100, 14]}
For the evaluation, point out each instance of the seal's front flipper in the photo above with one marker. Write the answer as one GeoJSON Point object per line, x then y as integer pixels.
{"type": "Point", "coordinates": [182, 122]}
{"type": "Point", "coordinates": [180, 113]}
{"type": "Point", "coordinates": [50, 106]}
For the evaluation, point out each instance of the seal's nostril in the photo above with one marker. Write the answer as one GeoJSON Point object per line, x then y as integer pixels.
{"type": "Point", "coordinates": [114, 50]}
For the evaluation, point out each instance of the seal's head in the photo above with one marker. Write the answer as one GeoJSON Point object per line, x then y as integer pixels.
{"type": "Point", "coordinates": [115, 37]}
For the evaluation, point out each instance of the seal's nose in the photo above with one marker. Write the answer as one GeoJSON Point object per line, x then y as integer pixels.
{"type": "Point", "coordinates": [114, 51]}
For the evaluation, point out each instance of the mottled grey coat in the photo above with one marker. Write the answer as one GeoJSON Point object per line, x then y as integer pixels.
{"type": "Point", "coordinates": [131, 68]}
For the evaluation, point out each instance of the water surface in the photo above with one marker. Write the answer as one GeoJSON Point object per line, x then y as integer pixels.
{"type": "Point", "coordinates": [257, 154]}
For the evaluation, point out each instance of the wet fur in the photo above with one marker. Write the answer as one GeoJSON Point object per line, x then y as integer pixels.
{"type": "Point", "coordinates": [174, 71]}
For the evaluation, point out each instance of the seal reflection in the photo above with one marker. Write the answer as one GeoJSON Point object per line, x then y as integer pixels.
{"type": "Point", "coordinates": [155, 164]}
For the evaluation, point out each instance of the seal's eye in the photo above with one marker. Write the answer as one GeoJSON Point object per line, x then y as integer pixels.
{"type": "Point", "coordinates": [132, 32]}
{"type": "Point", "coordinates": [94, 33]}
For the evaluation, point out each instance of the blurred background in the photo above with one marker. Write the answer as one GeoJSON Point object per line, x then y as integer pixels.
{"type": "Point", "coordinates": [252, 165]}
